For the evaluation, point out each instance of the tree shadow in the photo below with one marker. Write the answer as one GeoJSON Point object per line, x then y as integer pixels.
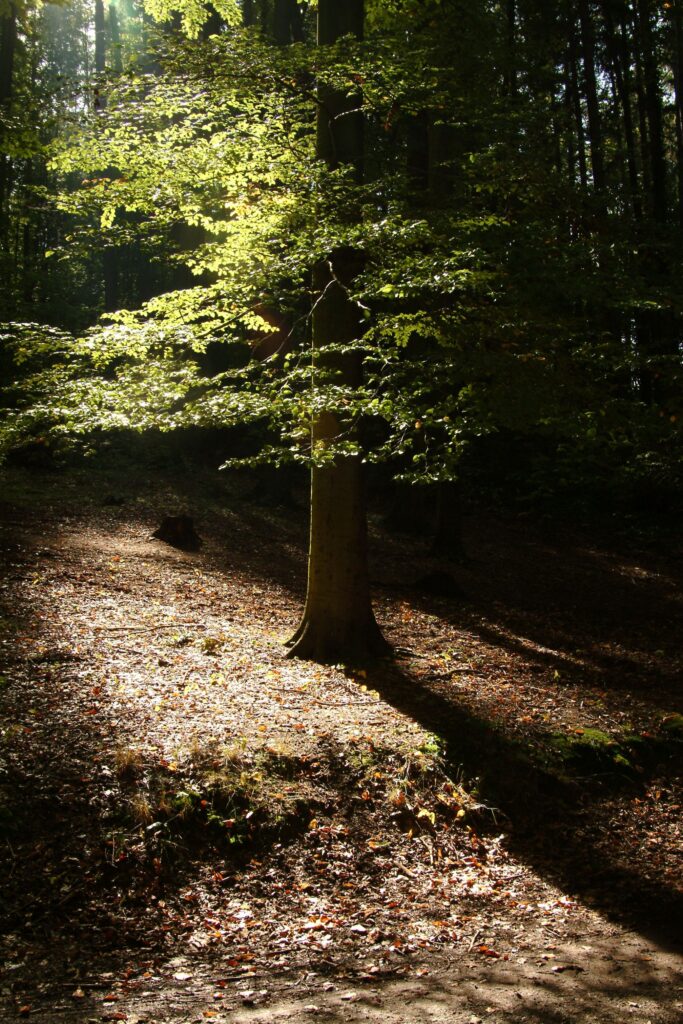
{"type": "Point", "coordinates": [595, 615]}
{"type": "Point", "coordinates": [549, 817]}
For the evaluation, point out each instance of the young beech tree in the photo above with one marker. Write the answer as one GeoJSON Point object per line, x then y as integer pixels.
{"type": "Point", "coordinates": [338, 622]}
{"type": "Point", "coordinates": [461, 255]}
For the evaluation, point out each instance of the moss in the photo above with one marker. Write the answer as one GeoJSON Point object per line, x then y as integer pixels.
{"type": "Point", "coordinates": [590, 752]}
{"type": "Point", "coordinates": [593, 752]}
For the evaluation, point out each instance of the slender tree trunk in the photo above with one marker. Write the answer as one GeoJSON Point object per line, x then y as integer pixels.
{"type": "Point", "coordinates": [591, 93]}
{"type": "Point", "coordinates": [575, 100]}
{"type": "Point", "coordinates": [510, 74]}
{"type": "Point", "coordinates": [653, 108]}
{"type": "Point", "coordinates": [657, 331]}
{"type": "Point", "coordinates": [248, 13]}
{"type": "Point", "coordinates": [115, 36]}
{"type": "Point", "coordinates": [338, 623]}
{"type": "Point", "coordinates": [110, 256]}
{"type": "Point", "coordinates": [629, 29]}
{"type": "Point", "coordinates": [622, 80]}
{"type": "Point", "coordinates": [100, 53]}
{"type": "Point", "coordinates": [8, 46]}
{"type": "Point", "coordinates": [568, 104]}
{"type": "Point", "coordinates": [677, 64]}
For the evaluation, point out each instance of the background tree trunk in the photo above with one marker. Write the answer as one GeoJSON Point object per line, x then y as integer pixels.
{"type": "Point", "coordinates": [110, 256]}
{"type": "Point", "coordinates": [8, 45]}
{"type": "Point", "coordinates": [677, 65]}
{"type": "Point", "coordinates": [591, 93]}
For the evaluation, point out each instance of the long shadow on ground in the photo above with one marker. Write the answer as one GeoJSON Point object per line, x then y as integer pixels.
{"type": "Point", "coordinates": [550, 817]}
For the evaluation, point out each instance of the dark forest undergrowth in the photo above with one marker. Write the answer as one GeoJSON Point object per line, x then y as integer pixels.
{"type": "Point", "coordinates": [486, 826]}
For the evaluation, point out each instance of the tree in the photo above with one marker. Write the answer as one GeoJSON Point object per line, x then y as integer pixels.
{"type": "Point", "coordinates": [468, 227]}
{"type": "Point", "coordinates": [338, 622]}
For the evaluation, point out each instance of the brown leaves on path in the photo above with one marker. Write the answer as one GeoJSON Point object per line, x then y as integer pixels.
{"type": "Point", "coordinates": [176, 796]}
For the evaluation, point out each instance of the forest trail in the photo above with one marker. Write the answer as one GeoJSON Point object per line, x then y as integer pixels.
{"type": "Point", "coordinates": [194, 828]}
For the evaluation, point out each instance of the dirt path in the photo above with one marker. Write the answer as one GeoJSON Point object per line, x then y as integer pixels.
{"type": "Point", "coordinates": [487, 827]}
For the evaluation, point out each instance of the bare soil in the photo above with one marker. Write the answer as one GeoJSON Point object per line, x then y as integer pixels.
{"type": "Point", "coordinates": [484, 827]}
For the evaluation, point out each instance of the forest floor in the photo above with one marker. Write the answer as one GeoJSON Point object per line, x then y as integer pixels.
{"type": "Point", "coordinates": [486, 827]}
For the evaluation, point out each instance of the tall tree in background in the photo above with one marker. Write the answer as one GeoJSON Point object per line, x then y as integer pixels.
{"type": "Point", "coordinates": [8, 46]}
{"type": "Point", "coordinates": [110, 254]}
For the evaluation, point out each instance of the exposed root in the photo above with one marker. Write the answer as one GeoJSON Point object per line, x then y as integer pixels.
{"type": "Point", "coordinates": [332, 645]}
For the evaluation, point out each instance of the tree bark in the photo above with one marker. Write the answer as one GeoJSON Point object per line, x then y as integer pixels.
{"type": "Point", "coordinates": [8, 46]}
{"type": "Point", "coordinates": [653, 110]}
{"type": "Point", "coordinates": [677, 63]}
{"type": "Point", "coordinates": [115, 36]}
{"type": "Point", "coordinates": [100, 37]}
{"type": "Point", "coordinates": [591, 93]}
{"type": "Point", "coordinates": [110, 256]}
{"type": "Point", "coordinates": [248, 13]}
{"type": "Point", "coordinates": [574, 98]}
{"type": "Point", "coordinates": [629, 29]}
{"type": "Point", "coordinates": [510, 66]}
{"type": "Point", "coordinates": [338, 623]}
{"type": "Point", "coordinates": [287, 22]}
{"type": "Point", "coordinates": [618, 60]}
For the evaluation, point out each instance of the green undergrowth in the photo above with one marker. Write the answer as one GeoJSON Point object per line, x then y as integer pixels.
{"type": "Point", "coordinates": [622, 756]}
{"type": "Point", "coordinates": [518, 781]}
{"type": "Point", "coordinates": [238, 798]}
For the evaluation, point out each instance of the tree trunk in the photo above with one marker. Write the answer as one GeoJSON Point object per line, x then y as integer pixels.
{"type": "Point", "coordinates": [338, 623]}
{"type": "Point", "coordinates": [574, 98]}
{"type": "Point", "coordinates": [115, 36]}
{"type": "Point", "coordinates": [677, 63]}
{"type": "Point", "coordinates": [591, 92]}
{"type": "Point", "coordinates": [656, 329]}
{"type": "Point", "coordinates": [629, 29]}
{"type": "Point", "coordinates": [110, 256]}
{"type": "Point", "coordinates": [287, 22]}
{"type": "Point", "coordinates": [653, 109]}
{"type": "Point", "coordinates": [8, 46]}
{"type": "Point", "coordinates": [510, 68]}
{"type": "Point", "coordinates": [618, 60]}
{"type": "Point", "coordinates": [248, 13]}
{"type": "Point", "coordinates": [100, 52]}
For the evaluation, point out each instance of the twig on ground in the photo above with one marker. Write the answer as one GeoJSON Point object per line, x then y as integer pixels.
{"type": "Point", "coordinates": [149, 629]}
